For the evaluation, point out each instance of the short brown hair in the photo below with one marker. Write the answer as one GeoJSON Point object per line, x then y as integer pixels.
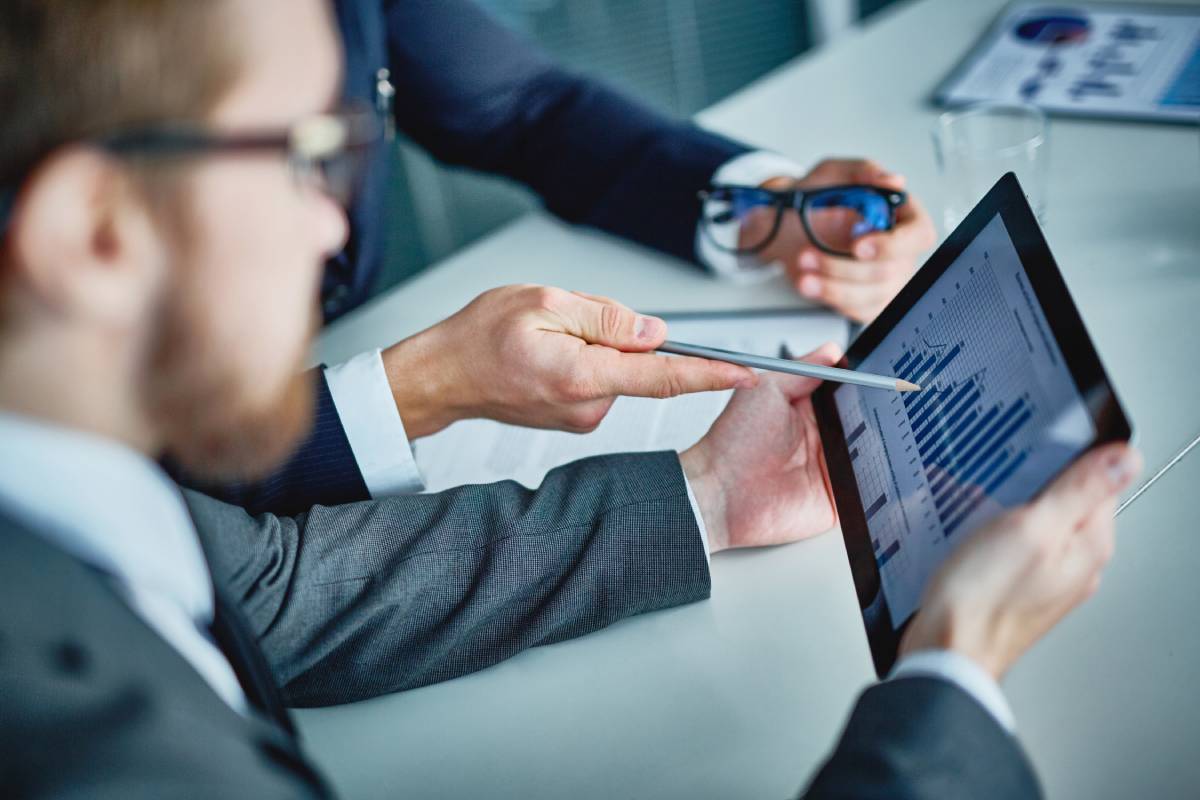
{"type": "Point", "coordinates": [75, 69]}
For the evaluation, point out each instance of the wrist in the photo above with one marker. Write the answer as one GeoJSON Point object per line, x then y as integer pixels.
{"type": "Point", "coordinates": [425, 383]}
{"type": "Point", "coordinates": [709, 497]}
{"type": "Point", "coordinates": [955, 630]}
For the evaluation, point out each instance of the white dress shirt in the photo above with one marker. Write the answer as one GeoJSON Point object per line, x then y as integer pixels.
{"type": "Point", "coordinates": [117, 511]}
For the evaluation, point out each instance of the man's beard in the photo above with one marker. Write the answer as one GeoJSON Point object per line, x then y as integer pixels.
{"type": "Point", "coordinates": [199, 405]}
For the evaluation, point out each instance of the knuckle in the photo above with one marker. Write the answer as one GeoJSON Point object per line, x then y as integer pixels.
{"type": "Point", "coordinates": [545, 298]}
{"type": "Point", "coordinates": [671, 385]}
{"type": "Point", "coordinates": [611, 321]}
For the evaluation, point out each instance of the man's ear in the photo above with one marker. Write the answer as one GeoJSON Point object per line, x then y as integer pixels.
{"type": "Point", "coordinates": [82, 240]}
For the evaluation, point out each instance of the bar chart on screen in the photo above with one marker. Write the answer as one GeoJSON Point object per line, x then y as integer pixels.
{"type": "Point", "coordinates": [933, 466]}
{"type": "Point", "coordinates": [968, 449]}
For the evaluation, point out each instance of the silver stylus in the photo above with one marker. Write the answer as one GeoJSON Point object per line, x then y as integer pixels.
{"type": "Point", "coordinates": [1178, 457]}
{"type": "Point", "coordinates": [790, 367]}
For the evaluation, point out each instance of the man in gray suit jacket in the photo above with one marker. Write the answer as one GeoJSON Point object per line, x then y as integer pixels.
{"type": "Point", "coordinates": [174, 201]}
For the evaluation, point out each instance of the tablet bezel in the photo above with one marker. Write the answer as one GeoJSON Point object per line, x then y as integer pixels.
{"type": "Point", "coordinates": [1008, 200]}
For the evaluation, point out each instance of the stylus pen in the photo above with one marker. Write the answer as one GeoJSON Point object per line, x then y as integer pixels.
{"type": "Point", "coordinates": [1141, 489]}
{"type": "Point", "coordinates": [790, 367]}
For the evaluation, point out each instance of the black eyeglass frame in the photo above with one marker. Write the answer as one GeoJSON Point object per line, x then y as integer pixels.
{"type": "Point", "coordinates": [798, 200]}
{"type": "Point", "coordinates": [308, 144]}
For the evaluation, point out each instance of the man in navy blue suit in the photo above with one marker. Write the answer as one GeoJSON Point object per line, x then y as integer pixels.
{"type": "Point", "coordinates": [473, 94]}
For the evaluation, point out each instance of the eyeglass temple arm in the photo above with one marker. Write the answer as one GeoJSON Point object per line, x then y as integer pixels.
{"type": "Point", "coordinates": [791, 195]}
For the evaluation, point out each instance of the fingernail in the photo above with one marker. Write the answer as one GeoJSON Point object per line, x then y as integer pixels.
{"type": "Point", "coordinates": [810, 286]}
{"type": "Point", "coordinates": [865, 250]}
{"type": "Point", "coordinates": [1120, 468]}
{"type": "Point", "coordinates": [808, 261]}
{"type": "Point", "coordinates": [647, 327]}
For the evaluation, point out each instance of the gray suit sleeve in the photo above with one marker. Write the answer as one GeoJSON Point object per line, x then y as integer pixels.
{"type": "Point", "coordinates": [921, 739]}
{"type": "Point", "coordinates": [367, 598]}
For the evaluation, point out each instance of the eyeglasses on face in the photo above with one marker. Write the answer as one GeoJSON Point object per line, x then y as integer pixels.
{"type": "Point", "coordinates": [327, 152]}
{"type": "Point", "coordinates": [746, 220]}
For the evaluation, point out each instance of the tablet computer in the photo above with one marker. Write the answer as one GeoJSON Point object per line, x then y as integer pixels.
{"type": "Point", "coordinates": [1012, 392]}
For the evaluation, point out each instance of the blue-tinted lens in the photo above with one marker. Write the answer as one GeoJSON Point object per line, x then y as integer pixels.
{"type": "Point", "coordinates": [744, 201]}
{"type": "Point", "coordinates": [740, 219]}
{"type": "Point", "coordinates": [836, 217]}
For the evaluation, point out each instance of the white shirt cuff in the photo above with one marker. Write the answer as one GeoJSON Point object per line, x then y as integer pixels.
{"type": "Point", "coordinates": [963, 673]}
{"type": "Point", "coordinates": [748, 169]}
{"type": "Point", "coordinates": [699, 518]}
{"type": "Point", "coordinates": [364, 402]}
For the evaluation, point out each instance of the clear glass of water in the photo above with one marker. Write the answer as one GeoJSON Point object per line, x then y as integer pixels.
{"type": "Point", "coordinates": [974, 146]}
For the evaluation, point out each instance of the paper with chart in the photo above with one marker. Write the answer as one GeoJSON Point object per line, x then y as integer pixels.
{"type": "Point", "coordinates": [998, 416]}
{"type": "Point", "coordinates": [1125, 60]}
{"type": "Point", "coordinates": [480, 451]}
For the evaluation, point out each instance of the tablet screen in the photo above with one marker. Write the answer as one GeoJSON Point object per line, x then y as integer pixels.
{"type": "Point", "coordinates": [998, 416]}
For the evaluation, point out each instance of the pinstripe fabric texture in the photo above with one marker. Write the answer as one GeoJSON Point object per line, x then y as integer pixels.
{"type": "Point", "coordinates": [368, 598]}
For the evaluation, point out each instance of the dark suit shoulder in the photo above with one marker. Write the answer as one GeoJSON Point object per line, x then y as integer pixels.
{"type": "Point", "coordinates": [917, 738]}
{"type": "Point", "coordinates": [94, 703]}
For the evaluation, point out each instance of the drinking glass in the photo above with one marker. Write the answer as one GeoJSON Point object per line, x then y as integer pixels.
{"type": "Point", "coordinates": [975, 146]}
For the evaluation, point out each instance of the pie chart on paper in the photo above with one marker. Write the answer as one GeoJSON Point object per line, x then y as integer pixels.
{"type": "Point", "coordinates": [1053, 29]}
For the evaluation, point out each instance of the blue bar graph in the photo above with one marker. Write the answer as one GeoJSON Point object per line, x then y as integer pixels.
{"type": "Point", "coordinates": [912, 366]}
{"type": "Point", "coordinates": [857, 432]}
{"type": "Point", "coordinates": [951, 420]}
{"type": "Point", "coordinates": [941, 401]}
{"type": "Point", "coordinates": [988, 489]}
{"type": "Point", "coordinates": [953, 413]}
{"type": "Point", "coordinates": [945, 447]}
{"type": "Point", "coordinates": [923, 398]}
{"type": "Point", "coordinates": [887, 554]}
{"type": "Point", "coordinates": [945, 362]}
{"type": "Point", "coordinates": [968, 447]}
{"type": "Point", "coordinates": [878, 504]}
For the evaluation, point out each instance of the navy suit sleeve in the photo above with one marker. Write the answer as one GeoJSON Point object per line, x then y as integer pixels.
{"type": "Point", "coordinates": [322, 471]}
{"type": "Point", "coordinates": [923, 739]}
{"type": "Point", "coordinates": [473, 94]}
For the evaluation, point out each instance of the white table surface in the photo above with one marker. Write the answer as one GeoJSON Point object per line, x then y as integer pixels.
{"type": "Point", "coordinates": [742, 695]}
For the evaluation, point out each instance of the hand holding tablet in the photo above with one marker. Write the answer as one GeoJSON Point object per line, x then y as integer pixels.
{"type": "Point", "coordinates": [1013, 580]}
{"type": "Point", "coordinates": [1013, 393]}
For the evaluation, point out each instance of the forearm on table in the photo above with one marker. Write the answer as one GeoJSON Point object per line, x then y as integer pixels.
{"type": "Point", "coordinates": [375, 597]}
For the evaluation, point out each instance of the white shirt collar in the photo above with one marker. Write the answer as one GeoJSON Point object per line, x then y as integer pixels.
{"type": "Point", "coordinates": [109, 506]}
